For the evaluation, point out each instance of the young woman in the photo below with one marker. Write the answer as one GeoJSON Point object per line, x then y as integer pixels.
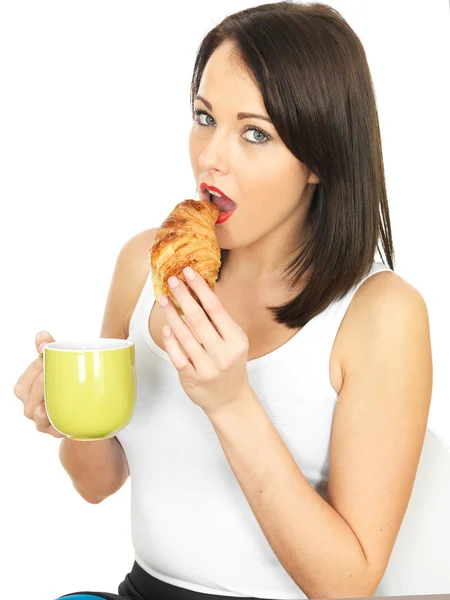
{"type": "Point", "coordinates": [273, 453]}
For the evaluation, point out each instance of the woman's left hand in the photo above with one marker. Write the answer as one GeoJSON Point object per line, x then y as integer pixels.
{"type": "Point", "coordinates": [215, 372]}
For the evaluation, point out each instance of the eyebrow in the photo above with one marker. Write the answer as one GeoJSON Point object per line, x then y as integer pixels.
{"type": "Point", "coordinates": [240, 115]}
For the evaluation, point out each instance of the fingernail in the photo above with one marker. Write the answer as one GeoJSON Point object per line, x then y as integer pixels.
{"type": "Point", "coordinates": [163, 301]}
{"type": "Point", "coordinates": [41, 347]}
{"type": "Point", "coordinates": [173, 282]}
{"type": "Point", "coordinates": [190, 273]}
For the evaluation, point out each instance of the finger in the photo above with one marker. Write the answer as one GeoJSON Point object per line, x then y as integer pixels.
{"type": "Point", "coordinates": [197, 319]}
{"type": "Point", "coordinates": [35, 396]}
{"type": "Point", "coordinates": [25, 381]}
{"type": "Point", "coordinates": [40, 417]}
{"type": "Point", "coordinates": [184, 336]}
{"type": "Point", "coordinates": [173, 349]}
{"type": "Point", "coordinates": [43, 423]}
{"type": "Point", "coordinates": [228, 329]}
{"type": "Point", "coordinates": [43, 337]}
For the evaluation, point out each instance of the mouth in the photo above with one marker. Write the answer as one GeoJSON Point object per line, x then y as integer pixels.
{"type": "Point", "coordinates": [213, 194]}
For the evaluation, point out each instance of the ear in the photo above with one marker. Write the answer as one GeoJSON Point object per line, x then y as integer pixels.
{"type": "Point", "coordinates": [312, 178]}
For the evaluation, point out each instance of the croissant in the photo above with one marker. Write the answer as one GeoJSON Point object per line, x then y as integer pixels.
{"type": "Point", "coordinates": [186, 238]}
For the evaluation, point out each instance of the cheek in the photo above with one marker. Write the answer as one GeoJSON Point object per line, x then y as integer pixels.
{"type": "Point", "coordinates": [193, 152]}
{"type": "Point", "coordinates": [191, 144]}
{"type": "Point", "coordinates": [273, 195]}
{"type": "Point", "coordinates": [277, 181]}
{"type": "Point", "coordinates": [265, 187]}
{"type": "Point", "coordinates": [196, 147]}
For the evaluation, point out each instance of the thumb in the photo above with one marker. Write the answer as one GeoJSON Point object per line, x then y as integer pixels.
{"type": "Point", "coordinates": [42, 338]}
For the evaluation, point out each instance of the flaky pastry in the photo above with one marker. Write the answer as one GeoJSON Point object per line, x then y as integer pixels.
{"type": "Point", "coordinates": [186, 238]}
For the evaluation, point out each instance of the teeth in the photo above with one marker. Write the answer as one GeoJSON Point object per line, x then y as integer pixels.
{"type": "Point", "coordinates": [215, 194]}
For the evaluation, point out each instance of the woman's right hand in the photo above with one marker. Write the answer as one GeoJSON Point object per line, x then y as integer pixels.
{"type": "Point", "coordinates": [30, 389]}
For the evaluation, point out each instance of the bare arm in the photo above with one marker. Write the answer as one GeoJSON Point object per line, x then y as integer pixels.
{"type": "Point", "coordinates": [340, 548]}
{"type": "Point", "coordinates": [99, 469]}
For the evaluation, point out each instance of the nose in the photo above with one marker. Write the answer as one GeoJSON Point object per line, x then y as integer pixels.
{"type": "Point", "coordinates": [214, 154]}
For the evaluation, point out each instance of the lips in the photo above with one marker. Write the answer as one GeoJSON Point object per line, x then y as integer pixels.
{"type": "Point", "coordinates": [223, 203]}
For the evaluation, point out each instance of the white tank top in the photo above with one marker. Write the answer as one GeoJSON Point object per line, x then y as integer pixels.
{"type": "Point", "coordinates": [191, 524]}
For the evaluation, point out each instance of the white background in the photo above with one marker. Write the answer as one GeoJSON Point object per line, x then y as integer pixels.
{"type": "Point", "coordinates": [94, 124]}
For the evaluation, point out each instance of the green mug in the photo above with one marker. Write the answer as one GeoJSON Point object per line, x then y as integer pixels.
{"type": "Point", "coordinates": [90, 388]}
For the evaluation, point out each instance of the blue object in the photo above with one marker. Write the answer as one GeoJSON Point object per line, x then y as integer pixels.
{"type": "Point", "coordinates": [79, 597]}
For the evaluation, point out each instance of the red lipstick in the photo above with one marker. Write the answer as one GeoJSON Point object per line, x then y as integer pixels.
{"type": "Point", "coordinates": [204, 186]}
{"type": "Point", "coordinates": [225, 204]}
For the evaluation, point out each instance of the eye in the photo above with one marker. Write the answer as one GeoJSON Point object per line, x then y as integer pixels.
{"type": "Point", "coordinates": [199, 114]}
{"type": "Point", "coordinates": [256, 140]}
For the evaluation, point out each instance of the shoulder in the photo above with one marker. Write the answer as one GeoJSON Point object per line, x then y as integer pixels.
{"type": "Point", "coordinates": [384, 310]}
{"type": "Point", "coordinates": [131, 271]}
{"type": "Point", "coordinates": [384, 299]}
{"type": "Point", "coordinates": [138, 247]}
{"type": "Point", "coordinates": [133, 261]}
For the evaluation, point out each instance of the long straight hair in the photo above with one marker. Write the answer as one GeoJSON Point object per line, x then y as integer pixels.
{"type": "Point", "coordinates": [313, 75]}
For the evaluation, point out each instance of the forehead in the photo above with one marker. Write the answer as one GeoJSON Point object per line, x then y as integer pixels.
{"type": "Point", "coordinates": [226, 80]}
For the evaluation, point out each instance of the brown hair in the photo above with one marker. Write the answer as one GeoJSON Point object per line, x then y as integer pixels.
{"type": "Point", "coordinates": [313, 75]}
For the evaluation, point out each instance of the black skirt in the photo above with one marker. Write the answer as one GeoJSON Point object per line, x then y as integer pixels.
{"type": "Point", "coordinates": [139, 585]}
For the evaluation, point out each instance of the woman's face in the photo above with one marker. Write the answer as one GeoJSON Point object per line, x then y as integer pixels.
{"type": "Point", "coordinates": [247, 161]}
